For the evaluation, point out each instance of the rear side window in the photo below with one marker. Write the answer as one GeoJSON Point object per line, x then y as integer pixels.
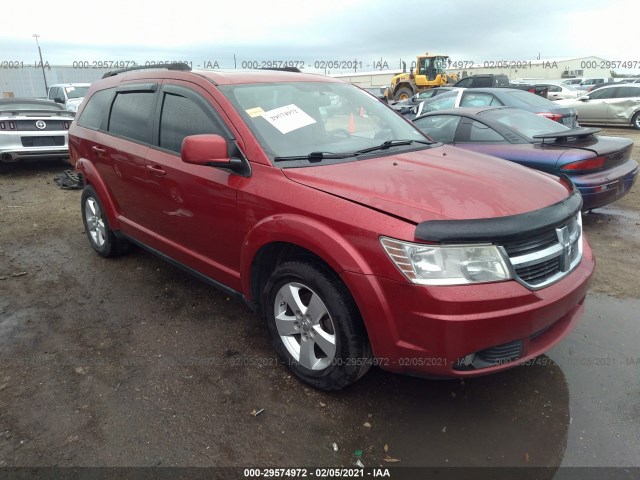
{"type": "Point", "coordinates": [479, 132]}
{"type": "Point", "coordinates": [627, 92]}
{"type": "Point", "coordinates": [441, 128]}
{"type": "Point", "coordinates": [132, 115]}
{"type": "Point", "coordinates": [464, 83]}
{"type": "Point", "coordinates": [182, 117]}
{"type": "Point", "coordinates": [96, 111]}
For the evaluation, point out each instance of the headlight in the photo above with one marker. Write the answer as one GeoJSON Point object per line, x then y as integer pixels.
{"type": "Point", "coordinates": [447, 264]}
{"type": "Point", "coordinates": [72, 107]}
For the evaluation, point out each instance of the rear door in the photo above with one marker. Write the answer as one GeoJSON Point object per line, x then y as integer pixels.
{"type": "Point", "coordinates": [192, 208]}
{"type": "Point", "coordinates": [121, 155]}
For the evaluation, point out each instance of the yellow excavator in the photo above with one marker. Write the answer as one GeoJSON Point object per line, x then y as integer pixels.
{"type": "Point", "coordinates": [429, 72]}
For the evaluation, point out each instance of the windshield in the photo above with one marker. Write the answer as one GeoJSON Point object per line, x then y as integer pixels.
{"type": "Point", "coordinates": [299, 118]}
{"type": "Point", "coordinates": [525, 123]}
{"type": "Point", "coordinates": [76, 92]}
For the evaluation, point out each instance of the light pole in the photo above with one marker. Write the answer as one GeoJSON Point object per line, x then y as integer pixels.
{"type": "Point", "coordinates": [46, 88]}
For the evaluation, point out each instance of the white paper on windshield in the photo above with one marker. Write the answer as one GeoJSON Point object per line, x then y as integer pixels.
{"type": "Point", "coordinates": [288, 118]}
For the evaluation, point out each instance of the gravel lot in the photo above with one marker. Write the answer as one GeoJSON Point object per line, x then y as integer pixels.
{"type": "Point", "coordinates": [131, 362]}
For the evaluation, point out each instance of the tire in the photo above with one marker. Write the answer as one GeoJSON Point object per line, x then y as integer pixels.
{"type": "Point", "coordinates": [101, 237]}
{"type": "Point", "coordinates": [326, 348]}
{"type": "Point", "coordinates": [635, 121]}
{"type": "Point", "coordinates": [403, 94]}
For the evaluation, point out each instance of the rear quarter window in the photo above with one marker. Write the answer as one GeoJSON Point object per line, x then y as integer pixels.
{"type": "Point", "coordinates": [96, 111]}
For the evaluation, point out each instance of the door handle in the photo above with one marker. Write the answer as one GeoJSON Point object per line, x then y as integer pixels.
{"type": "Point", "coordinates": [98, 150]}
{"type": "Point", "coordinates": [156, 170]}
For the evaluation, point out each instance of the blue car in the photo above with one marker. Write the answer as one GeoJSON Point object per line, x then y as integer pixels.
{"type": "Point", "coordinates": [600, 167]}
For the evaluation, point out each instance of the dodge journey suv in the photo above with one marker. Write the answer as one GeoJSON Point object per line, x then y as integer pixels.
{"type": "Point", "coordinates": [358, 239]}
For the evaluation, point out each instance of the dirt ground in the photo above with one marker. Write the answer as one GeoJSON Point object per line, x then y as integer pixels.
{"type": "Point", "coordinates": [131, 362]}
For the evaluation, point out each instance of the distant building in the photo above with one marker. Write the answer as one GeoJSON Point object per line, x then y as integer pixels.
{"type": "Point", "coordinates": [546, 69]}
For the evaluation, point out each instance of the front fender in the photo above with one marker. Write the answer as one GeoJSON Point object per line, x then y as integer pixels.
{"type": "Point", "coordinates": [92, 177]}
{"type": "Point", "coordinates": [305, 232]}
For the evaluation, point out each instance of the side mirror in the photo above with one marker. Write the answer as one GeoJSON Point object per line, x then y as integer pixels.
{"type": "Point", "coordinates": [58, 100]}
{"type": "Point", "coordinates": [211, 151]}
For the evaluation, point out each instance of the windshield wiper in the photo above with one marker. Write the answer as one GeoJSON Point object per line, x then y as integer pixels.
{"type": "Point", "coordinates": [391, 143]}
{"type": "Point", "coordinates": [315, 156]}
{"type": "Point", "coordinates": [319, 156]}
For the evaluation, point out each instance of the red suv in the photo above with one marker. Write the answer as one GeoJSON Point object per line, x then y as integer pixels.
{"type": "Point", "coordinates": [358, 239]}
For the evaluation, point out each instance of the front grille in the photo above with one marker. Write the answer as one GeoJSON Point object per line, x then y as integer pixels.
{"type": "Point", "coordinates": [544, 259]}
{"type": "Point", "coordinates": [53, 141]}
{"type": "Point", "coordinates": [504, 353]}
{"type": "Point", "coordinates": [529, 245]}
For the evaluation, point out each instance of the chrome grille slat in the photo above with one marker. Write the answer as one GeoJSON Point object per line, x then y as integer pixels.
{"type": "Point", "coordinates": [546, 258]}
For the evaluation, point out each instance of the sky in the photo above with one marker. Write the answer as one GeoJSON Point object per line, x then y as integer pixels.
{"type": "Point", "coordinates": [373, 33]}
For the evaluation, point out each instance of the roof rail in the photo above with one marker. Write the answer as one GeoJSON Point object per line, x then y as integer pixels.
{"type": "Point", "coordinates": [282, 69]}
{"type": "Point", "coordinates": [168, 66]}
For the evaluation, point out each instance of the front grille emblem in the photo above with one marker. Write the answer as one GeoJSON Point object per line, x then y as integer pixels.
{"type": "Point", "coordinates": [565, 241]}
{"type": "Point", "coordinates": [40, 125]}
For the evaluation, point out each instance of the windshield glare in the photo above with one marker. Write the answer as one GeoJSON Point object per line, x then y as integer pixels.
{"type": "Point", "coordinates": [76, 92]}
{"type": "Point", "coordinates": [297, 118]}
{"type": "Point", "coordinates": [525, 123]}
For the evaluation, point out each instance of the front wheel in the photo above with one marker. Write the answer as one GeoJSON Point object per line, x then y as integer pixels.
{"type": "Point", "coordinates": [635, 122]}
{"type": "Point", "coordinates": [403, 93]}
{"type": "Point", "coordinates": [315, 325]}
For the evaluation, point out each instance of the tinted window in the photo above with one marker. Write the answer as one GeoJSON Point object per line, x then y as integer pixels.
{"type": "Point", "coordinates": [96, 110]}
{"type": "Point", "coordinates": [470, 99]}
{"type": "Point", "coordinates": [479, 132]}
{"type": "Point", "coordinates": [553, 88]}
{"type": "Point", "coordinates": [132, 115]}
{"type": "Point", "coordinates": [531, 99]}
{"type": "Point", "coordinates": [525, 123]}
{"type": "Point", "coordinates": [466, 82]}
{"type": "Point", "coordinates": [180, 118]}
{"type": "Point", "coordinates": [441, 128]}
{"type": "Point", "coordinates": [627, 92]}
{"type": "Point", "coordinates": [602, 93]}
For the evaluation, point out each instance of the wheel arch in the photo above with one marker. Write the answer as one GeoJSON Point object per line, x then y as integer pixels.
{"type": "Point", "coordinates": [92, 177]}
{"type": "Point", "coordinates": [280, 238]}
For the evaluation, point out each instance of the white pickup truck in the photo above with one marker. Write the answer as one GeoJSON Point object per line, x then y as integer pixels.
{"type": "Point", "coordinates": [68, 94]}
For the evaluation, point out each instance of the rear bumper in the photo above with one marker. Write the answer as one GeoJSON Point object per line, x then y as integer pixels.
{"type": "Point", "coordinates": [13, 149]}
{"type": "Point", "coordinates": [601, 188]}
{"type": "Point", "coordinates": [428, 330]}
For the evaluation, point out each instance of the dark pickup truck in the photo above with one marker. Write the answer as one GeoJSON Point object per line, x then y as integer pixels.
{"type": "Point", "coordinates": [490, 80]}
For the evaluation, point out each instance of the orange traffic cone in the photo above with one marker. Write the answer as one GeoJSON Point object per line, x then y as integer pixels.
{"type": "Point", "coordinates": [352, 127]}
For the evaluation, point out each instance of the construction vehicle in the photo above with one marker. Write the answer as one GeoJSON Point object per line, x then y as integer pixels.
{"type": "Point", "coordinates": [430, 71]}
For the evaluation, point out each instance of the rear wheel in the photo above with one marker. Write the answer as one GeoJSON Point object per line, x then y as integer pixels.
{"type": "Point", "coordinates": [635, 122]}
{"type": "Point", "coordinates": [101, 237]}
{"type": "Point", "coordinates": [403, 93]}
{"type": "Point", "coordinates": [315, 325]}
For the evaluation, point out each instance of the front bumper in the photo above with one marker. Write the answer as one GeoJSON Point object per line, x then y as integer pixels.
{"type": "Point", "coordinates": [428, 330]}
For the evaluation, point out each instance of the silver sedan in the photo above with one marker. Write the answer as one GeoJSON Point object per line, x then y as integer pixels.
{"type": "Point", "coordinates": [610, 105]}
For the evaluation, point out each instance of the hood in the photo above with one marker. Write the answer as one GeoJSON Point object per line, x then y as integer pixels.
{"type": "Point", "coordinates": [437, 183]}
